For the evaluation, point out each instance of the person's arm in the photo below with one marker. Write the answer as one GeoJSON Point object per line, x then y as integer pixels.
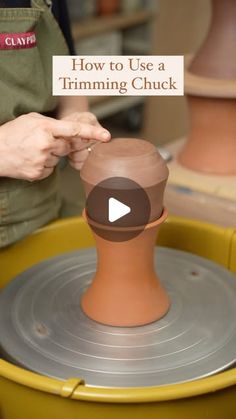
{"type": "Point", "coordinates": [31, 145]}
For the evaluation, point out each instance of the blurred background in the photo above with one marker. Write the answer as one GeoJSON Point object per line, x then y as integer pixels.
{"type": "Point", "coordinates": [139, 27]}
{"type": "Point", "coordinates": [135, 27]}
{"type": "Point", "coordinates": [114, 27]}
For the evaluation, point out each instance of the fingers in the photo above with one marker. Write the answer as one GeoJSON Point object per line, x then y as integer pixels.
{"type": "Point", "coordinates": [56, 128]}
{"type": "Point", "coordinates": [61, 147]}
{"type": "Point", "coordinates": [65, 129]}
{"type": "Point", "coordinates": [77, 158]}
{"type": "Point", "coordinates": [77, 165]}
{"type": "Point", "coordinates": [46, 172]}
{"type": "Point", "coordinates": [36, 115]}
{"type": "Point", "coordinates": [89, 136]}
{"type": "Point", "coordinates": [79, 144]}
{"type": "Point", "coordinates": [86, 117]}
{"type": "Point", "coordinates": [90, 132]}
{"type": "Point", "coordinates": [87, 127]}
{"type": "Point", "coordinates": [97, 134]}
{"type": "Point", "coordinates": [51, 161]}
{"type": "Point", "coordinates": [69, 129]}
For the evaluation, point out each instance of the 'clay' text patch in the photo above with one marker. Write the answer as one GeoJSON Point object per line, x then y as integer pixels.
{"type": "Point", "coordinates": [17, 40]}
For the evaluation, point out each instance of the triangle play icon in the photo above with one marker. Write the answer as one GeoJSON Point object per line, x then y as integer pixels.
{"type": "Point", "coordinates": [117, 210]}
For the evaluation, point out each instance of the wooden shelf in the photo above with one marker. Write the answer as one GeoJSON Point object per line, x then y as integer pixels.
{"type": "Point", "coordinates": [89, 27]}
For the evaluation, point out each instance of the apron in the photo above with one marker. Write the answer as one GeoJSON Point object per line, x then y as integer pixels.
{"type": "Point", "coordinates": [26, 86]}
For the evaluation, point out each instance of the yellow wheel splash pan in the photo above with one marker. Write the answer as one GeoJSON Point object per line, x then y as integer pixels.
{"type": "Point", "coordinates": [25, 394]}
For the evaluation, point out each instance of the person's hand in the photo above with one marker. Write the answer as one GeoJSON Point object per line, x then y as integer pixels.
{"type": "Point", "coordinates": [81, 145]}
{"type": "Point", "coordinates": [32, 144]}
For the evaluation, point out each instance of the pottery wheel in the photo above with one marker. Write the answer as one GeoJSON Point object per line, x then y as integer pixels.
{"type": "Point", "coordinates": [43, 328]}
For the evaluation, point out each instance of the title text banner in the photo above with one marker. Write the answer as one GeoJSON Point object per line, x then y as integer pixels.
{"type": "Point", "coordinates": [117, 75]}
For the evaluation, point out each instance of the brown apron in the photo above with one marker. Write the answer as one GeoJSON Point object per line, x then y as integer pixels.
{"type": "Point", "coordinates": [29, 39]}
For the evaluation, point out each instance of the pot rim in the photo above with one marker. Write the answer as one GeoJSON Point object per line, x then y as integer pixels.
{"type": "Point", "coordinates": [207, 87]}
{"type": "Point", "coordinates": [148, 226]}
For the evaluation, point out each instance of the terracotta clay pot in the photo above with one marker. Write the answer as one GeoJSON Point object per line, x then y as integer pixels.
{"type": "Point", "coordinates": [216, 57]}
{"type": "Point", "coordinates": [126, 290]}
{"type": "Point", "coordinates": [211, 144]}
{"type": "Point", "coordinates": [133, 159]}
{"type": "Point", "coordinates": [108, 7]}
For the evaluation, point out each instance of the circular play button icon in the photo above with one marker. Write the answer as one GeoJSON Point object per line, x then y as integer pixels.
{"type": "Point", "coordinates": [118, 209]}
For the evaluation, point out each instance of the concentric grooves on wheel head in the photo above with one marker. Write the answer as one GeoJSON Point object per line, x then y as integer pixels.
{"type": "Point", "coordinates": [44, 329]}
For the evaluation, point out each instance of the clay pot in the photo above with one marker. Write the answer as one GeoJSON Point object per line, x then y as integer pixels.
{"type": "Point", "coordinates": [211, 144]}
{"type": "Point", "coordinates": [108, 7]}
{"type": "Point", "coordinates": [133, 159]}
{"type": "Point", "coordinates": [216, 57]}
{"type": "Point", "coordinates": [126, 290]}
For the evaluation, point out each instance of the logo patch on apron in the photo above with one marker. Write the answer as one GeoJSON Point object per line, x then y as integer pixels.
{"type": "Point", "coordinates": [19, 40]}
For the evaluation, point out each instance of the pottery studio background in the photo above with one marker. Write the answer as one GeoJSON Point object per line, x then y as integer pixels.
{"type": "Point", "coordinates": [150, 27]}
{"type": "Point", "coordinates": [52, 323]}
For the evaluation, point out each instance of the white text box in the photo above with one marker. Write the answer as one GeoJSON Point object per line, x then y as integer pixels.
{"type": "Point", "coordinates": [118, 75]}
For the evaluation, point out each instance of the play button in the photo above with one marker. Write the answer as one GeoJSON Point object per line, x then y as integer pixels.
{"type": "Point", "coordinates": [117, 209]}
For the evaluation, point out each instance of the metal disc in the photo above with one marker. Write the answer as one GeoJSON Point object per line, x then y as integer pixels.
{"type": "Point", "coordinates": [43, 328]}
